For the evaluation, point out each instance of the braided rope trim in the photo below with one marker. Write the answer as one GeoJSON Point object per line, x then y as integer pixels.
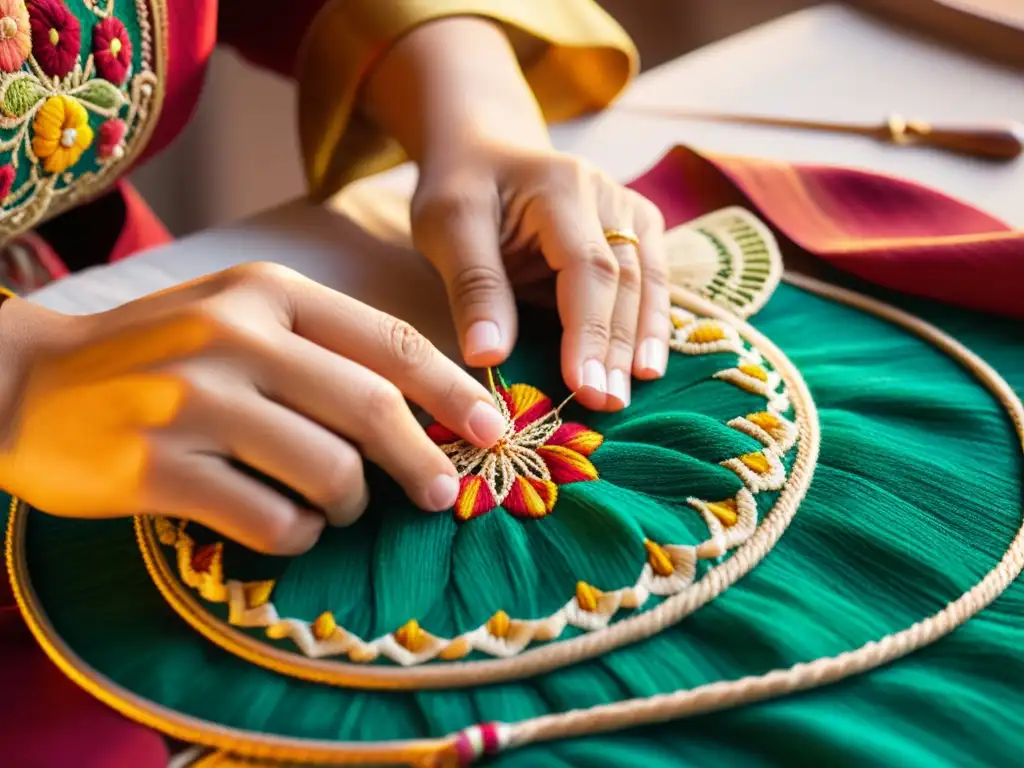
{"type": "Point", "coordinates": [435, 753]}
{"type": "Point", "coordinates": [501, 637]}
{"type": "Point", "coordinates": [826, 670]}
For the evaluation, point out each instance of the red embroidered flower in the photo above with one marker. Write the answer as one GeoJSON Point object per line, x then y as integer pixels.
{"type": "Point", "coordinates": [205, 557]}
{"type": "Point", "coordinates": [112, 50]}
{"type": "Point", "coordinates": [523, 471]}
{"type": "Point", "coordinates": [15, 35]}
{"type": "Point", "coordinates": [111, 138]}
{"type": "Point", "coordinates": [7, 174]}
{"type": "Point", "coordinates": [56, 36]}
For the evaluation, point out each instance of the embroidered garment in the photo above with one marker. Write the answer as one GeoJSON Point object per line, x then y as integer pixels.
{"type": "Point", "coordinates": [89, 88]}
{"type": "Point", "coordinates": [810, 498]}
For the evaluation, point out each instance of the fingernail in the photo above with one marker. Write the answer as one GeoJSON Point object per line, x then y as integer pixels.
{"type": "Point", "coordinates": [618, 386]}
{"type": "Point", "coordinates": [483, 337]}
{"type": "Point", "coordinates": [442, 492]}
{"type": "Point", "coordinates": [594, 376]}
{"type": "Point", "coordinates": [653, 357]}
{"type": "Point", "coordinates": [487, 425]}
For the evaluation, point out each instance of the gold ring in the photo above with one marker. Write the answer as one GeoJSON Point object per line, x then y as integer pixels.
{"type": "Point", "coordinates": [622, 237]}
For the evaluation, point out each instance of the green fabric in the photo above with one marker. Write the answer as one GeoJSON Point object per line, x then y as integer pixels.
{"type": "Point", "coordinates": [452, 577]}
{"type": "Point", "coordinates": [917, 493]}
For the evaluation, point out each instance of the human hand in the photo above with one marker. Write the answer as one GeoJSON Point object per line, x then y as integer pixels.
{"type": "Point", "coordinates": [141, 409]}
{"type": "Point", "coordinates": [499, 218]}
{"type": "Point", "coordinates": [499, 212]}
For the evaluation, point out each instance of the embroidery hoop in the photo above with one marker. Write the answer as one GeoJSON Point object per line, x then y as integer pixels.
{"type": "Point", "coordinates": [552, 655]}
{"type": "Point", "coordinates": [738, 267]}
{"type": "Point", "coordinates": [628, 713]}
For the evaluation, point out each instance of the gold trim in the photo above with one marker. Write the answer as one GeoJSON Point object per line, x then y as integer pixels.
{"type": "Point", "coordinates": [532, 660]}
{"type": "Point", "coordinates": [174, 724]}
{"type": "Point", "coordinates": [705, 698]}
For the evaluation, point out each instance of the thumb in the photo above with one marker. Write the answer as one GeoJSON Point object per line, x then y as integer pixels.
{"type": "Point", "coordinates": [459, 235]}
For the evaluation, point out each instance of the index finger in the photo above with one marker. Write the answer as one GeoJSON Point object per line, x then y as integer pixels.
{"type": "Point", "coordinates": [399, 353]}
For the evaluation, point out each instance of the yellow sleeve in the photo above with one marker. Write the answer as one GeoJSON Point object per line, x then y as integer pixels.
{"type": "Point", "coordinates": [575, 57]}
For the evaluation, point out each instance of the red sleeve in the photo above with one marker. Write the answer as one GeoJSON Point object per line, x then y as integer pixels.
{"type": "Point", "coordinates": [267, 32]}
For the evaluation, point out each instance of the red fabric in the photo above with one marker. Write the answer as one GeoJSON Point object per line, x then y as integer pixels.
{"type": "Point", "coordinates": [266, 32]}
{"type": "Point", "coordinates": [47, 722]}
{"type": "Point", "coordinates": [142, 228]}
{"type": "Point", "coordinates": [888, 231]}
{"type": "Point", "coordinates": [191, 36]}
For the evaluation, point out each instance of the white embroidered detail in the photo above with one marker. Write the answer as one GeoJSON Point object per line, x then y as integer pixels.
{"type": "Point", "coordinates": [728, 256]}
{"type": "Point", "coordinates": [730, 523]}
{"type": "Point", "coordinates": [514, 456]}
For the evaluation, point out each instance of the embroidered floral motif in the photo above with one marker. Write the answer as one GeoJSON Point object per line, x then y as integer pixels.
{"type": "Point", "coordinates": [15, 35]}
{"type": "Point", "coordinates": [56, 36]}
{"type": "Point", "coordinates": [111, 139]}
{"type": "Point", "coordinates": [62, 133]}
{"type": "Point", "coordinates": [668, 569]}
{"type": "Point", "coordinates": [7, 173]}
{"type": "Point", "coordinates": [112, 49]}
{"type": "Point", "coordinates": [523, 470]}
{"type": "Point", "coordinates": [72, 116]}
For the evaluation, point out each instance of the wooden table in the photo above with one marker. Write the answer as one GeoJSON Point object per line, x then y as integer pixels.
{"type": "Point", "coordinates": [827, 62]}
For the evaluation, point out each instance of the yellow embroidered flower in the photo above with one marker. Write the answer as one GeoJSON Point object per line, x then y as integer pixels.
{"type": "Point", "coordinates": [62, 133]}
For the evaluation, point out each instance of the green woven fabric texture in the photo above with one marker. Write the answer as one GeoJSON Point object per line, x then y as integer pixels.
{"type": "Point", "coordinates": [399, 564]}
{"type": "Point", "coordinates": [916, 495]}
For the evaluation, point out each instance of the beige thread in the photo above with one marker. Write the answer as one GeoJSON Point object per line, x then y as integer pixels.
{"type": "Point", "coordinates": [719, 337]}
{"type": "Point", "coordinates": [715, 696]}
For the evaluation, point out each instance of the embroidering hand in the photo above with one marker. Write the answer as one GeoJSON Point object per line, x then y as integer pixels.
{"type": "Point", "coordinates": [499, 212]}
{"type": "Point", "coordinates": [143, 408]}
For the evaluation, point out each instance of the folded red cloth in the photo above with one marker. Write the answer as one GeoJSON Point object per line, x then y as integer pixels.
{"type": "Point", "coordinates": [888, 231]}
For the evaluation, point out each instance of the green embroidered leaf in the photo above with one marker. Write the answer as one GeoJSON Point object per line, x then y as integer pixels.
{"type": "Point", "coordinates": [102, 96]}
{"type": "Point", "coordinates": [21, 95]}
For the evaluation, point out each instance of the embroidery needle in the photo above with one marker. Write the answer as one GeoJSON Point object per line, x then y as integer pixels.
{"type": "Point", "coordinates": [494, 372]}
{"type": "Point", "coordinates": [996, 141]}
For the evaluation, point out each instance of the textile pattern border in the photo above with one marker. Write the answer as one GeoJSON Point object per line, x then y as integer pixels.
{"type": "Point", "coordinates": [706, 698]}
{"type": "Point", "coordinates": [670, 568]}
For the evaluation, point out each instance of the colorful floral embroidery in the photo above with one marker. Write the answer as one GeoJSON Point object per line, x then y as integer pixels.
{"type": "Point", "coordinates": [56, 37]}
{"type": "Point", "coordinates": [62, 133]}
{"type": "Point", "coordinates": [7, 173]}
{"type": "Point", "coordinates": [15, 35]}
{"type": "Point", "coordinates": [111, 139]}
{"type": "Point", "coordinates": [113, 50]}
{"type": "Point", "coordinates": [73, 110]}
{"type": "Point", "coordinates": [667, 570]}
{"type": "Point", "coordinates": [523, 471]}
